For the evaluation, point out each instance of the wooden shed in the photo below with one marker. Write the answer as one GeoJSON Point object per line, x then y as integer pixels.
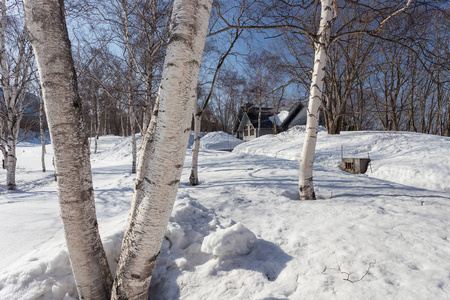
{"type": "Point", "coordinates": [355, 165]}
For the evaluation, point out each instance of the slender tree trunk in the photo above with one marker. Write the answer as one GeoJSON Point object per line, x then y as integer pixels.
{"type": "Point", "coordinates": [259, 119]}
{"type": "Point", "coordinates": [96, 124]}
{"type": "Point", "coordinates": [151, 210]}
{"type": "Point", "coordinates": [193, 179]}
{"type": "Point", "coordinates": [133, 139]}
{"type": "Point", "coordinates": [42, 130]}
{"type": "Point", "coordinates": [306, 186]}
{"type": "Point", "coordinates": [148, 98]}
{"type": "Point", "coordinates": [131, 114]}
{"type": "Point", "coordinates": [12, 159]}
{"type": "Point", "coordinates": [50, 41]}
{"type": "Point", "coordinates": [447, 131]}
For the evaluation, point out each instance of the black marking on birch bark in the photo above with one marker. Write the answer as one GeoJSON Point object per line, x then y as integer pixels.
{"type": "Point", "coordinates": [194, 62]}
{"type": "Point", "coordinates": [187, 129]}
{"type": "Point", "coordinates": [153, 259]}
{"type": "Point", "coordinates": [327, 7]}
{"type": "Point", "coordinates": [173, 182]}
{"type": "Point", "coordinates": [149, 181]}
{"type": "Point", "coordinates": [179, 37]}
{"type": "Point", "coordinates": [138, 184]}
{"type": "Point", "coordinates": [179, 166]}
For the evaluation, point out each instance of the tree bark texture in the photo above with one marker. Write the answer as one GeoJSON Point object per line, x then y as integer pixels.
{"type": "Point", "coordinates": [155, 194]}
{"type": "Point", "coordinates": [193, 178]}
{"type": "Point", "coordinates": [306, 186]}
{"type": "Point", "coordinates": [42, 130]}
{"type": "Point", "coordinates": [50, 41]}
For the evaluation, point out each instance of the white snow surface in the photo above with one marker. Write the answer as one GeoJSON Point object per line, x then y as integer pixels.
{"type": "Point", "coordinates": [280, 117]}
{"type": "Point", "coordinates": [219, 140]}
{"type": "Point", "coordinates": [413, 159]}
{"type": "Point", "coordinates": [241, 234]}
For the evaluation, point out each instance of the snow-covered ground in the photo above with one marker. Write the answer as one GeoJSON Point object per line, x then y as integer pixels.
{"type": "Point", "coordinates": [418, 160]}
{"type": "Point", "coordinates": [219, 140]}
{"type": "Point", "coordinates": [241, 235]}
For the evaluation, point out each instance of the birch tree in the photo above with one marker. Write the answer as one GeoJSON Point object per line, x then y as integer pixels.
{"type": "Point", "coordinates": [198, 113]}
{"type": "Point", "coordinates": [309, 146]}
{"type": "Point", "coordinates": [49, 38]}
{"type": "Point", "coordinates": [321, 44]}
{"type": "Point", "coordinates": [16, 73]}
{"type": "Point", "coordinates": [154, 196]}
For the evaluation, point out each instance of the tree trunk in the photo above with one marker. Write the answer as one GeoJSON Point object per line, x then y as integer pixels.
{"type": "Point", "coordinates": [50, 41]}
{"type": "Point", "coordinates": [447, 132]}
{"type": "Point", "coordinates": [148, 97]}
{"type": "Point", "coordinates": [133, 139]}
{"type": "Point", "coordinates": [306, 186]}
{"type": "Point", "coordinates": [12, 159]}
{"type": "Point", "coordinates": [193, 179]}
{"type": "Point", "coordinates": [42, 130]}
{"type": "Point", "coordinates": [154, 196]}
{"type": "Point", "coordinates": [96, 124]}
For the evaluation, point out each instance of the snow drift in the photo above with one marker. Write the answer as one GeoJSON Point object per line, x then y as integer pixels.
{"type": "Point", "coordinates": [413, 159]}
{"type": "Point", "coordinates": [219, 140]}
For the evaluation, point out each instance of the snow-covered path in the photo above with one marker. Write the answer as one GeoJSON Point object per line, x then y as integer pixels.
{"type": "Point", "coordinates": [366, 238]}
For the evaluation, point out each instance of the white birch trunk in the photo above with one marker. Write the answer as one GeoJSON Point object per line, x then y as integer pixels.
{"type": "Point", "coordinates": [42, 131]}
{"type": "Point", "coordinates": [50, 41]}
{"type": "Point", "coordinates": [11, 161]}
{"type": "Point", "coordinates": [193, 178]}
{"type": "Point", "coordinates": [133, 139]}
{"type": "Point", "coordinates": [96, 124]}
{"type": "Point", "coordinates": [155, 194]}
{"type": "Point", "coordinates": [306, 186]}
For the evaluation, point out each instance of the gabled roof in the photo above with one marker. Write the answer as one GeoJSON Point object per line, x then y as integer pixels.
{"type": "Point", "coordinates": [252, 112]}
{"type": "Point", "coordinates": [292, 114]}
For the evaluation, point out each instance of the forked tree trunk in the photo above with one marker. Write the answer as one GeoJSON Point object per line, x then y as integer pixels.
{"type": "Point", "coordinates": [50, 41]}
{"type": "Point", "coordinates": [193, 179]}
{"type": "Point", "coordinates": [306, 186]}
{"type": "Point", "coordinates": [155, 194]}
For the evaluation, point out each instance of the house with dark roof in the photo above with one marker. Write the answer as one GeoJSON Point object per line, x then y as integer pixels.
{"type": "Point", "coordinates": [298, 115]}
{"type": "Point", "coordinates": [246, 125]}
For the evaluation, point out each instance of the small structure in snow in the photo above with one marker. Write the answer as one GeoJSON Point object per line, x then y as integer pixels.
{"type": "Point", "coordinates": [355, 165]}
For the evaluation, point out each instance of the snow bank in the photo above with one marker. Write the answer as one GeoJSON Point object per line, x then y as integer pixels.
{"type": "Point", "coordinates": [236, 240]}
{"type": "Point", "coordinates": [401, 157]}
{"type": "Point", "coordinates": [219, 140]}
{"type": "Point", "coordinates": [46, 273]}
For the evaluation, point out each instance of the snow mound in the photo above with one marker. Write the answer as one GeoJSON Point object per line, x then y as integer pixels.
{"type": "Point", "coordinates": [219, 140]}
{"type": "Point", "coordinates": [235, 240]}
{"type": "Point", "coordinates": [402, 157]}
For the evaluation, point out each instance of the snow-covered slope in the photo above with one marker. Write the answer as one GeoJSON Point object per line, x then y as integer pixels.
{"type": "Point", "coordinates": [240, 234]}
{"type": "Point", "coordinates": [414, 159]}
{"type": "Point", "coordinates": [219, 140]}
